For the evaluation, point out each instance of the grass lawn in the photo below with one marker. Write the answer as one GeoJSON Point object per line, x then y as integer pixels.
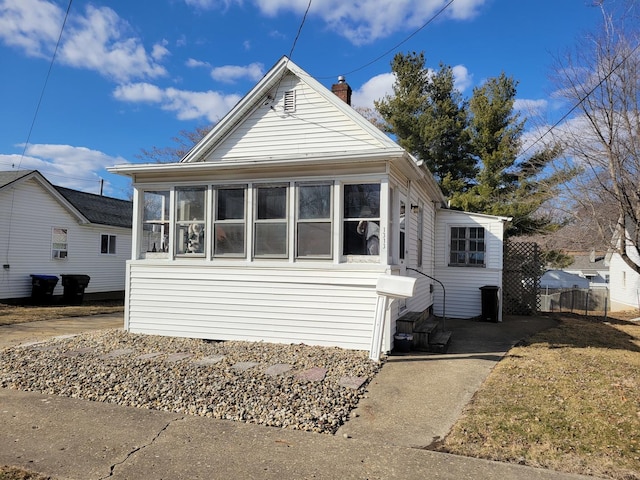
{"type": "Point", "coordinates": [10, 314]}
{"type": "Point", "coordinates": [568, 400]}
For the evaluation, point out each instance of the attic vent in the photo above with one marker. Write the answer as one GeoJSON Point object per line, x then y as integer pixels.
{"type": "Point", "coordinates": [290, 101]}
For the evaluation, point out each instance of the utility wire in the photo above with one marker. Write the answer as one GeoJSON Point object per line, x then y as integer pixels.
{"type": "Point", "coordinates": [581, 100]}
{"type": "Point", "coordinates": [33, 122]}
{"type": "Point", "coordinates": [405, 40]}
{"type": "Point", "coordinates": [44, 87]}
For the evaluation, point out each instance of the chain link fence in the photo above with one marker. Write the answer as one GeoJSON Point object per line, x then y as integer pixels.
{"type": "Point", "coordinates": [578, 300]}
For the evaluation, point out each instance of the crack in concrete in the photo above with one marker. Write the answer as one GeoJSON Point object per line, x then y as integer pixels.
{"type": "Point", "coordinates": [137, 449]}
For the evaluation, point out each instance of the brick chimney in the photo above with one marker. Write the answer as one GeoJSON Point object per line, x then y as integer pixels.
{"type": "Point", "coordinates": [342, 90]}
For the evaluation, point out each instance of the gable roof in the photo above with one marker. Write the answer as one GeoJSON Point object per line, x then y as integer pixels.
{"type": "Point", "coordinates": [86, 207]}
{"type": "Point", "coordinates": [267, 100]}
{"type": "Point", "coordinates": [100, 209]}
{"type": "Point", "coordinates": [326, 132]}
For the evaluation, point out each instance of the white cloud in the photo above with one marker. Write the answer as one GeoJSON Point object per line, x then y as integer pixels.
{"type": "Point", "coordinates": [187, 105]}
{"type": "Point", "coordinates": [31, 25]}
{"type": "Point", "coordinates": [232, 73]}
{"type": "Point", "coordinates": [160, 51]}
{"type": "Point", "coordinates": [364, 21]}
{"type": "Point", "coordinates": [193, 63]}
{"type": "Point", "coordinates": [531, 107]}
{"type": "Point", "coordinates": [462, 79]}
{"type": "Point", "coordinates": [369, 20]}
{"type": "Point", "coordinates": [96, 40]}
{"type": "Point", "coordinates": [373, 89]}
{"type": "Point", "coordinates": [79, 168]}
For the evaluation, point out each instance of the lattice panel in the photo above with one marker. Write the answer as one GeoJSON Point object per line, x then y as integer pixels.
{"type": "Point", "coordinates": [521, 278]}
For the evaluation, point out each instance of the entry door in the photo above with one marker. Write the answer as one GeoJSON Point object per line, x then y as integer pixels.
{"type": "Point", "coordinates": [399, 223]}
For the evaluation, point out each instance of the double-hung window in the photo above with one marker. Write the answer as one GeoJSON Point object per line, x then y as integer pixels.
{"type": "Point", "coordinates": [270, 221]}
{"type": "Point", "coordinates": [59, 245]}
{"type": "Point", "coordinates": [467, 246]}
{"type": "Point", "coordinates": [313, 220]}
{"type": "Point", "coordinates": [108, 244]}
{"type": "Point", "coordinates": [361, 229]}
{"type": "Point", "coordinates": [190, 220]}
{"type": "Point", "coordinates": [229, 222]}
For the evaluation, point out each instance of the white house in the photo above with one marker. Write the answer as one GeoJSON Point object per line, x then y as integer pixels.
{"type": "Point", "coordinates": [278, 224]}
{"type": "Point", "coordinates": [49, 230]}
{"type": "Point", "coordinates": [624, 281]}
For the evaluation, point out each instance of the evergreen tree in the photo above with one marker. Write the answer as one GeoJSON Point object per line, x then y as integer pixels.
{"type": "Point", "coordinates": [428, 117]}
{"type": "Point", "coordinates": [506, 185]}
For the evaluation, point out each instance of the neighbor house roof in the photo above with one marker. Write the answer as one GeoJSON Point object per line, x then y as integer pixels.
{"type": "Point", "coordinates": [100, 209]}
{"type": "Point", "coordinates": [87, 207]}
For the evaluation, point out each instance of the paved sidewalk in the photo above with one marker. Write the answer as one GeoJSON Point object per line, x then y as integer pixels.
{"type": "Point", "coordinates": [413, 400]}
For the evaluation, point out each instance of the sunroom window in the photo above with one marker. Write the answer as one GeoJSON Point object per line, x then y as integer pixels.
{"type": "Point", "coordinates": [270, 221]}
{"type": "Point", "coordinates": [467, 246]}
{"type": "Point", "coordinates": [361, 214]}
{"type": "Point", "coordinates": [229, 222]}
{"type": "Point", "coordinates": [313, 221]}
{"type": "Point", "coordinates": [155, 222]}
{"type": "Point", "coordinates": [190, 220]}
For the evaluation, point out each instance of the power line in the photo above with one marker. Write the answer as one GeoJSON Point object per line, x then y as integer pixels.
{"type": "Point", "coordinates": [580, 101]}
{"type": "Point", "coordinates": [46, 80]}
{"type": "Point", "coordinates": [304, 18]}
{"type": "Point", "coordinates": [405, 40]}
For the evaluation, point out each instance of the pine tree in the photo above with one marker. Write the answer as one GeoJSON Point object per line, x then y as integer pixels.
{"type": "Point", "coordinates": [506, 185]}
{"type": "Point", "coordinates": [428, 117]}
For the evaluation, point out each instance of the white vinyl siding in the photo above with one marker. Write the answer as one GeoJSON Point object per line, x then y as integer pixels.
{"type": "Point", "coordinates": [624, 283]}
{"type": "Point", "coordinates": [294, 133]}
{"type": "Point", "coordinates": [35, 213]}
{"type": "Point", "coordinates": [317, 306]}
{"type": "Point", "coordinates": [463, 284]}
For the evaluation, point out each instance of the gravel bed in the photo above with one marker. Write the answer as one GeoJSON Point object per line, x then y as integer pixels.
{"type": "Point", "coordinates": [293, 386]}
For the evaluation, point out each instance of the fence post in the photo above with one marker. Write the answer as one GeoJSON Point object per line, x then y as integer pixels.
{"type": "Point", "coordinates": [586, 304]}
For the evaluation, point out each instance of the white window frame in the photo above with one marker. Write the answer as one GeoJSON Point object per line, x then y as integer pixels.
{"type": "Point", "coordinates": [363, 218]}
{"type": "Point", "coordinates": [111, 241]}
{"type": "Point", "coordinates": [255, 222]}
{"type": "Point", "coordinates": [180, 224]}
{"type": "Point", "coordinates": [309, 221]}
{"type": "Point", "coordinates": [59, 250]}
{"type": "Point", "coordinates": [218, 224]}
{"type": "Point", "coordinates": [467, 248]}
{"type": "Point", "coordinates": [160, 227]}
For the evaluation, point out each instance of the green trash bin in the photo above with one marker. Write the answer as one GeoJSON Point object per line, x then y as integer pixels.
{"type": "Point", "coordinates": [74, 286]}
{"type": "Point", "coordinates": [42, 287]}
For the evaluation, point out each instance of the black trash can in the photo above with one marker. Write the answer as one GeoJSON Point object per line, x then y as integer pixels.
{"type": "Point", "coordinates": [490, 303]}
{"type": "Point", "coordinates": [42, 287]}
{"type": "Point", "coordinates": [74, 286]}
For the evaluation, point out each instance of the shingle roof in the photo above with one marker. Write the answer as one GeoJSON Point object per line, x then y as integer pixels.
{"type": "Point", "coordinates": [99, 209]}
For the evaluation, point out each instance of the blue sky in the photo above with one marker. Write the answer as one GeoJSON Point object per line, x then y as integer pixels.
{"type": "Point", "coordinates": [130, 75]}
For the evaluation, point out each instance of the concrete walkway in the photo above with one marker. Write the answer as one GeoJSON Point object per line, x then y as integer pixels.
{"type": "Point", "coordinates": [415, 399]}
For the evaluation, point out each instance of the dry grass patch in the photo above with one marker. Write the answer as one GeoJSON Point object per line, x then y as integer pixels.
{"type": "Point", "coordinates": [11, 314]}
{"type": "Point", "coordinates": [569, 400]}
{"type": "Point", "coordinates": [14, 473]}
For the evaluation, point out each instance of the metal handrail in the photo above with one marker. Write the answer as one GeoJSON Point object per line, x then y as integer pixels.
{"type": "Point", "coordinates": [444, 294]}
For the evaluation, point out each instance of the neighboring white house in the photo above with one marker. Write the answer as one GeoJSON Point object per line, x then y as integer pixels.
{"type": "Point", "coordinates": [593, 266]}
{"type": "Point", "coordinates": [49, 230]}
{"type": "Point", "coordinates": [624, 282]}
{"type": "Point", "coordinates": [278, 224]}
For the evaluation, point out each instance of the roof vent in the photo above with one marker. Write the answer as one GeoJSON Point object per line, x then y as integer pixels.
{"type": "Point", "coordinates": [290, 101]}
